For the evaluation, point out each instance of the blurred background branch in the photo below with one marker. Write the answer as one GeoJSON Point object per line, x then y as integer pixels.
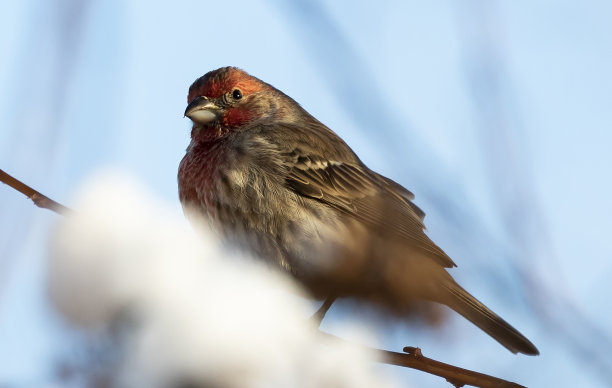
{"type": "Point", "coordinates": [507, 154]}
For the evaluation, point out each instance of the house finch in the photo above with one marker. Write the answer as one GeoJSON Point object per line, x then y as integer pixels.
{"type": "Point", "coordinates": [271, 177]}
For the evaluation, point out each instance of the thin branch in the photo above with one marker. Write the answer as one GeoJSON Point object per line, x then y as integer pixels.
{"type": "Point", "coordinates": [39, 199]}
{"type": "Point", "coordinates": [412, 358]}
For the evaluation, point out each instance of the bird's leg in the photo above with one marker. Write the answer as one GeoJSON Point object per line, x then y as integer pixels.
{"type": "Point", "coordinates": [320, 313]}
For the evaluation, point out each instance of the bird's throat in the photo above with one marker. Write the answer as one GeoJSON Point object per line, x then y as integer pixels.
{"type": "Point", "coordinates": [200, 133]}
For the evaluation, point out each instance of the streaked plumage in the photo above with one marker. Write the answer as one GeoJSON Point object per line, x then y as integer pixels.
{"type": "Point", "coordinates": [272, 178]}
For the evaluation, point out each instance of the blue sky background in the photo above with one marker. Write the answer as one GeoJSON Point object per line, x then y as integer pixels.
{"type": "Point", "coordinates": [496, 114]}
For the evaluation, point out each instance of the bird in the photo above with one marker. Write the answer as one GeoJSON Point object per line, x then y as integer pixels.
{"type": "Point", "coordinates": [271, 178]}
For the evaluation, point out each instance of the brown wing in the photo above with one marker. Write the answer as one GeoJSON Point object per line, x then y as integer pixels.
{"type": "Point", "coordinates": [363, 194]}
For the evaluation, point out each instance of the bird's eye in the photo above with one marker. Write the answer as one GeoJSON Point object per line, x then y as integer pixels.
{"type": "Point", "coordinates": [237, 94]}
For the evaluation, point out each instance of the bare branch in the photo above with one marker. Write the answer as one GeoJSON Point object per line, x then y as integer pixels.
{"type": "Point", "coordinates": [412, 358]}
{"type": "Point", "coordinates": [39, 199]}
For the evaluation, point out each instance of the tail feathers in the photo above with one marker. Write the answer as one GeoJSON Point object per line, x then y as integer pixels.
{"type": "Point", "coordinates": [480, 315]}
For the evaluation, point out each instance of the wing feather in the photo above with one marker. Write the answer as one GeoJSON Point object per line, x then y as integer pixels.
{"type": "Point", "coordinates": [367, 196]}
{"type": "Point", "coordinates": [319, 165]}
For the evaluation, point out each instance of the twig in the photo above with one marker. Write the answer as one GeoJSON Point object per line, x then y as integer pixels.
{"type": "Point", "coordinates": [39, 199]}
{"type": "Point", "coordinates": [412, 358]}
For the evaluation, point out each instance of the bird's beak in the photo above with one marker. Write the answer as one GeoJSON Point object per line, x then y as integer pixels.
{"type": "Point", "coordinates": [202, 110]}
